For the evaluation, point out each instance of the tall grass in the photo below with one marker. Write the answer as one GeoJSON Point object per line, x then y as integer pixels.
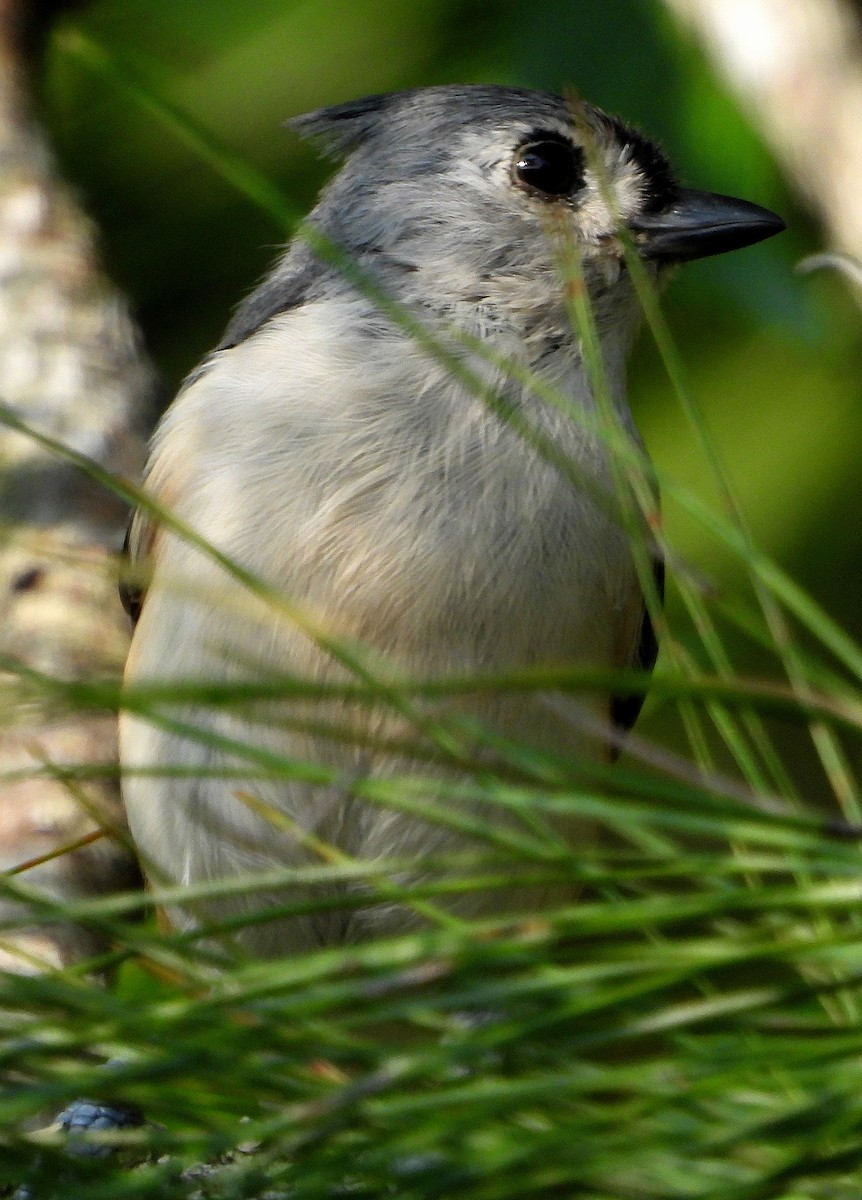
{"type": "Point", "coordinates": [689, 1028]}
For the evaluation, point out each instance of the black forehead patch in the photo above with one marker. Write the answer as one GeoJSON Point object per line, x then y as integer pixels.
{"type": "Point", "coordinates": [659, 180]}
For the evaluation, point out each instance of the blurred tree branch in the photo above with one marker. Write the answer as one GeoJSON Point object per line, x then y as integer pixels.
{"type": "Point", "coordinates": [797, 67]}
{"type": "Point", "coordinates": [72, 366]}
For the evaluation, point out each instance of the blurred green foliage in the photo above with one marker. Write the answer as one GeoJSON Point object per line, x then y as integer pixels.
{"type": "Point", "coordinates": [772, 355]}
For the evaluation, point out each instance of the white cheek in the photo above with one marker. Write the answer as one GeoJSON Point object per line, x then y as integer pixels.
{"type": "Point", "coordinates": [597, 217]}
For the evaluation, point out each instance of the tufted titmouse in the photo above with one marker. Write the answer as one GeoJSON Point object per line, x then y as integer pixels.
{"type": "Point", "coordinates": [330, 453]}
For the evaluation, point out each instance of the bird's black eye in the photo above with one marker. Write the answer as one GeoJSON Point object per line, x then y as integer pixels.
{"type": "Point", "coordinates": [550, 165]}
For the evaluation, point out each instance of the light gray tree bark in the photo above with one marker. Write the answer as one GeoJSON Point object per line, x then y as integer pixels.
{"type": "Point", "coordinates": [797, 67]}
{"type": "Point", "coordinates": [71, 366]}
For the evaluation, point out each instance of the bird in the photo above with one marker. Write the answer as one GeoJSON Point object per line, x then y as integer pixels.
{"type": "Point", "coordinates": [339, 451]}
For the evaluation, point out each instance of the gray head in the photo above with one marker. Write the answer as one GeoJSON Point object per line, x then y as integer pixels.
{"type": "Point", "coordinates": [447, 196]}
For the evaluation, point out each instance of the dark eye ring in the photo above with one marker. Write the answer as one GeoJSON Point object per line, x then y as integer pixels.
{"type": "Point", "coordinates": [552, 166]}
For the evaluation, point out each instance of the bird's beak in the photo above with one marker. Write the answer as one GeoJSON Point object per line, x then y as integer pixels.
{"type": "Point", "coordinates": [698, 224]}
